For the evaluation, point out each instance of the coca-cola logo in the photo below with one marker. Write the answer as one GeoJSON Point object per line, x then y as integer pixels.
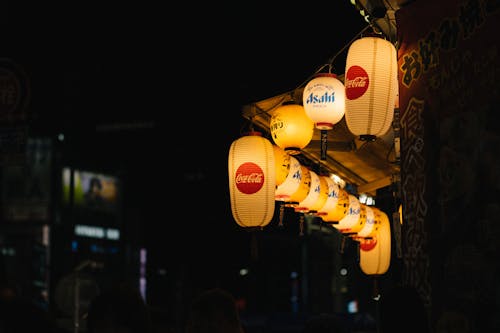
{"type": "Point", "coordinates": [356, 82]}
{"type": "Point", "coordinates": [367, 244]}
{"type": "Point", "coordinates": [249, 178]}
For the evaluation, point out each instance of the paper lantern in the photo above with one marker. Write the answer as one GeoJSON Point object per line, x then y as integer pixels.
{"type": "Point", "coordinates": [323, 195]}
{"type": "Point", "coordinates": [371, 86]}
{"type": "Point", "coordinates": [290, 127]}
{"type": "Point", "coordinates": [282, 164]}
{"type": "Point", "coordinates": [350, 222]}
{"type": "Point", "coordinates": [252, 184]}
{"type": "Point", "coordinates": [334, 213]}
{"type": "Point", "coordinates": [372, 222]}
{"type": "Point", "coordinates": [312, 196]}
{"type": "Point", "coordinates": [303, 189]}
{"type": "Point", "coordinates": [375, 253]}
{"type": "Point", "coordinates": [291, 184]}
{"type": "Point", "coordinates": [324, 100]}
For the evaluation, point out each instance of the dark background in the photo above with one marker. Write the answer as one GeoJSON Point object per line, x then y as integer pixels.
{"type": "Point", "coordinates": [153, 94]}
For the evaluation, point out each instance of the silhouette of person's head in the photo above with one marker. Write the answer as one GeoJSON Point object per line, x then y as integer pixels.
{"type": "Point", "coordinates": [214, 311]}
{"type": "Point", "coordinates": [119, 309]}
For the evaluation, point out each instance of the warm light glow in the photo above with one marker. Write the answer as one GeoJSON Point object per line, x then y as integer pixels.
{"type": "Point", "coordinates": [304, 186]}
{"type": "Point", "coordinates": [312, 196]}
{"type": "Point", "coordinates": [282, 163]}
{"type": "Point", "coordinates": [291, 184]}
{"type": "Point", "coordinates": [371, 86]}
{"type": "Point", "coordinates": [291, 128]}
{"type": "Point", "coordinates": [324, 100]}
{"type": "Point", "coordinates": [371, 223]}
{"type": "Point", "coordinates": [252, 181]}
{"type": "Point", "coordinates": [323, 195]}
{"type": "Point", "coordinates": [350, 223]}
{"type": "Point", "coordinates": [336, 212]}
{"type": "Point", "coordinates": [375, 253]}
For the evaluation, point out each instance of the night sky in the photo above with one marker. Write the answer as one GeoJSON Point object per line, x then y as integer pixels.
{"type": "Point", "coordinates": [181, 74]}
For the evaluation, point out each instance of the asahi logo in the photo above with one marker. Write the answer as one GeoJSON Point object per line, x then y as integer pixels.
{"type": "Point", "coordinates": [356, 82]}
{"type": "Point", "coordinates": [321, 99]}
{"type": "Point", "coordinates": [249, 178]}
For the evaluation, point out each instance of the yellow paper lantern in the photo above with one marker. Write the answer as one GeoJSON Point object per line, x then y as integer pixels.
{"type": "Point", "coordinates": [251, 171]}
{"type": "Point", "coordinates": [372, 221]}
{"type": "Point", "coordinates": [312, 196]}
{"type": "Point", "coordinates": [291, 129]}
{"type": "Point", "coordinates": [291, 184]}
{"type": "Point", "coordinates": [304, 187]}
{"type": "Point", "coordinates": [324, 100]}
{"type": "Point", "coordinates": [336, 212]}
{"type": "Point", "coordinates": [375, 253]}
{"type": "Point", "coordinates": [350, 222]}
{"type": "Point", "coordinates": [323, 195]}
{"type": "Point", "coordinates": [371, 86]}
{"type": "Point", "coordinates": [282, 164]}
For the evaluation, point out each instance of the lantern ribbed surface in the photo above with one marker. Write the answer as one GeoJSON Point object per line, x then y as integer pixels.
{"type": "Point", "coordinates": [282, 164]}
{"type": "Point", "coordinates": [322, 196]}
{"type": "Point", "coordinates": [349, 223]}
{"type": "Point", "coordinates": [251, 171]}
{"type": "Point", "coordinates": [375, 253]}
{"type": "Point", "coordinates": [336, 212]}
{"type": "Point", "coordinates": [331, 200]}
{"type": "Point", "coordinates": [305, 205]}
{"type": "Point", "coordinates": [291, 184]}
{"type": "Point", "coordinates": [371, 86]}
{"type": "Point", "coordinates": [290, 127]}
{"type": "Point", "coordinates": [368, 229]}
{"type": "Point", "coordinates": [304, 186]}
{"type": "Point", "coordinates": [324, 100]}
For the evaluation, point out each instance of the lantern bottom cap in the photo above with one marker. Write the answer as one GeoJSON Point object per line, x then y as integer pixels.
{"type": "Point", "coordinates": [367, 137]}
{"type": "Point", "coordinates": [293, 150]}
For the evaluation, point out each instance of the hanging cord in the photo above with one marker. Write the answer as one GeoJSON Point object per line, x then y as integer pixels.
{"type": "Point", "coordinates": [301, 225]}
{"type": "Point", "coordinates": [329, 64]}
{"type": "Point", "coordinates": [332, 59]}
{"type": "Point", "coordinates": [282, 213]}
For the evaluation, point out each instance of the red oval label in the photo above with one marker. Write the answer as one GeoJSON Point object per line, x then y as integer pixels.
{"type": "Point", "coordinates": [367, 244]}
{"type": "Point", "coordinates": [356, 82]}
{"type": "Point", "coordinates": [249, 178]}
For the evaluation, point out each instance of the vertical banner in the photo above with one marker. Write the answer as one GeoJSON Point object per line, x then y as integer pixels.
{"type": "Point", "coordinates": [449, 69]}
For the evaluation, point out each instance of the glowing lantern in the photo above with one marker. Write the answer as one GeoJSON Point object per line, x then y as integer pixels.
{"type": "Point", "coordinates": [350, 222]}
{"type": "Point", "coordinates": [252, 180]}
{"type": "Point", "coordinates": [305, 205]}
{"type": "Point", "coordinates": [284, 191]}
{"type": "Point", "coordinates": [371, 86]}
{"type": "Point", "coordinates": [282, 164]}
{"type": "Point", "coordinates": [291, 128]}
{"type": "Point", "coordinates": [324, 102]}
{"type": "Point", "coordinates": [400, 211]}
{"type": "Point", "coordinates": [375, 253]}
{"type": "Point", "coordinates": [372, 221]}
{"type": "Point", "coordinates": [323, 195]}
{"type": "Point", "coordinates": [336, 212]}
{"type": "Point", "coordinates": [304, 187]}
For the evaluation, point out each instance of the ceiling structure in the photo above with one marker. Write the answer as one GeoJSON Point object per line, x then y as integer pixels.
{"type": "Point", "coordinates": [367, 166]}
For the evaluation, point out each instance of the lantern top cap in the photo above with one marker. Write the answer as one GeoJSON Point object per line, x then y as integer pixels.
{"type": "Point", "coordinates": [326, 75]}
{"type": "Point", "coordinates": [372, 34]}
{"type": "Point", "coordinates": [252, 133]}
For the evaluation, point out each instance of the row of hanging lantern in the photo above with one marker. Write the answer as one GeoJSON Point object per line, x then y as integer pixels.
{"type": "Point", "coordinates": [262, 173]}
